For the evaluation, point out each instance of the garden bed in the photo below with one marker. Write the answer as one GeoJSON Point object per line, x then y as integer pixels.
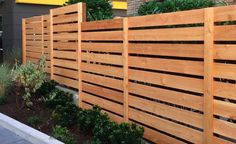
{"type": "Point", "coordinates": [15, 109]}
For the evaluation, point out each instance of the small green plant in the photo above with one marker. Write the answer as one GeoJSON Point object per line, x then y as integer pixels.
{"type": "Point", "coordinates": [3, 100]}
{"type": "Point", "coordinates": [126, 133]}
{"type": "Point", "coordinates": [107, 132]}
{"type": "Point", "coordinates": [57, 97]}
{"type": "Point", "coordinates": [34, 120]}
{"type": "Point", "coordinates": [96, 9]}
{"type": "Point", "coordinates": [63, 134]}
{"type": "Point", "coordinates": [87, 118]}
{"type": "Point", "coordinates": [66, 115]}
{"type": "Point", "coordinates": [46, 88]}
{"type": "Point", "coordinates": [156, 6]}
{"type": "Point", "coordinates": [31, 77]}
{"type": "Point", "coordinates": [5, 82]}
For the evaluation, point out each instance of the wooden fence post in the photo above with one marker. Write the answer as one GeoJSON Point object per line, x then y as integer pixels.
{"type": "Point", "coordinates": [42, 25]}
{"type": "Point", "coordinates": [81, 18]}
{"type": "Point", "coordinates": [51, 43]}
{"type": "Point", "coordinates": [23, 41]}
{"type": "Point", "coordinates": [208, 75]}
{"type": "Point", "coordinates": [125, 69]}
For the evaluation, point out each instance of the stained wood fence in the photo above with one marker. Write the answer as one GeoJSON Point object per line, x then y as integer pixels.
{"type": "Point", "coordinates": [174, 73]}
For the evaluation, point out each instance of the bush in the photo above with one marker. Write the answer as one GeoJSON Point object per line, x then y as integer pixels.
{"type": "Point", "coordinates": [3, 100]}
{"type": "Point", "coordinates": [31, 77]}
{"type": "Point", "coordinates": [155, 6]}
{"type": "Point", "coordinates": [5, 82]}
{"type": "Point", "coordinates": [66, 115]}
{"type": "Point", "coordinates": [63, 134]}
{"type": "Point", "coordinates": [87, 118]}
{"type": "Point", "coordinates": [57, 97]}
{"type": "Point", "coordinates": [126, 133]}
{"type": "Point", "coordinates": [107, 132]}
{"type": "Point", "coordinates": [46, 88]}
{"type": "Point", "coordinates": [96, 9]}
{"type": "Point", "coordinates": [34, 120]}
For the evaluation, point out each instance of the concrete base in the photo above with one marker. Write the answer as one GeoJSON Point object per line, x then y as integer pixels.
{"type": "Point", "coordinates": [26, 132]}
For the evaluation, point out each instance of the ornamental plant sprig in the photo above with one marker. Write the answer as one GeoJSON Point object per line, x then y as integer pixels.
{"type": "Point", "coordinates": [31, 77]}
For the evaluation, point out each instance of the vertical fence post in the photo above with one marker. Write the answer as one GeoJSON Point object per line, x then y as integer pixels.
{"type": "Point", "coordinates": [42, 32]}
{"type": "Point", "coordinates": [208, 75]}
{"type": "Point", "coordinates": [125, 69]}
{"type": "Point", "coordinates": [81, 18]}
{"type": "Point", "coordinates": [23, 41]}
{"type": "Point", "coordinates": [51, 44]}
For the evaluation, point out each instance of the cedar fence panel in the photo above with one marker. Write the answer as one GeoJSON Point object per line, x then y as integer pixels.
{"type": "Point", "coordinates": [65, 44]}
{"type": "Point", "coordinates": [33, 39]}
{"type": "Point", "coordinates": [174, 73]}
{"type": "Point", "coordinates": [102, 66]}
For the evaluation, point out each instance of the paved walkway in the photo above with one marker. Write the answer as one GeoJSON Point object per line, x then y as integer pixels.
{"type": "Point", "coordinates": [8, 137]}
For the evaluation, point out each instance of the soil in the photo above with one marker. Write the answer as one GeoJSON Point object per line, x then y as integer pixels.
{"type": "Point", "coordinates": [16, 109]}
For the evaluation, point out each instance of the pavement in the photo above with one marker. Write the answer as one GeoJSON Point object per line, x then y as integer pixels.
{"type": "Point", "coordinates": [8, 137]}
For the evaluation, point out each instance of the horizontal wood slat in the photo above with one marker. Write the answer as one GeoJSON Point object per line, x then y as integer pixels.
{"type": "Point", "coordinates": [171, 34]}
{"type": "Point", "coordinates": [102, 25]}
{"type": "Point", "coordinates": [176, 50]}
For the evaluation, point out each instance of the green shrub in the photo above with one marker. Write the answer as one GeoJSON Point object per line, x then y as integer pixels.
{"type": "Point", "coordinates": [46, 88]}
{"type": "Point", "coordinates": [155, 6]}
{"type": "Point", "coordinates": [66, 115]}
{"type": "Point", "coordinates": [3, 100]}
{"type": "Point", "coordinates": [57, 97]}
{"type": "Point", "coordinates": [5, 82]}
{"type": "Point", "coordinates": [87, 118]}
{"type": "Point", "coordinates": [31, 77]}
{"type": "Point", "coordinates": [126, 133]}
{"type": "Point", "coordinates": [34, 120]}
{"type": "Point", "coordinates": [96, 9]}
{"type": "Point", "coordinates": [63, 134]}
{"type": "Point", "coordinates": [107, 132]}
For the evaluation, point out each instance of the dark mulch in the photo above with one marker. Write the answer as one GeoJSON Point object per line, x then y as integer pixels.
{"type": "Point", "coordinates": [16, 109]}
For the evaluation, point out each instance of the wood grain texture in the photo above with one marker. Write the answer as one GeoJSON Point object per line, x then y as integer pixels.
{"type": "Point", "coordinates": [208, 75]}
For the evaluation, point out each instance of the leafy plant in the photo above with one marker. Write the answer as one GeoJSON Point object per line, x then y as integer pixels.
{"type": "Point", "coordinates": [87, 118]}
{"type": "Point", "coordinates": [63, 134]}
{"type": "Point", "coordinates": [57, 97]}
{"type": "Point", "coordinates": [96, 9]}
{"type": "Point", "coordinates": [66, 115]}
{"type": "Point", "coordinates": [31, 77]}
{"type": "Point", "coordinates": [155, 6]}
{"type": "Point", "coordinates": [5, 82]}
{"type": "Point", "coordinates": [46, 88]}
{"type": "Point", "coordinates": [34, 120]}
{"type": "Point", "coordinates": [126, 133]}
{"type": "Point", "coordinates": [107, 132]}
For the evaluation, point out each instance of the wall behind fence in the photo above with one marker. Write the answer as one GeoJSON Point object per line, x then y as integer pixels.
{"type": "Point", "coordinates": [174, 74]}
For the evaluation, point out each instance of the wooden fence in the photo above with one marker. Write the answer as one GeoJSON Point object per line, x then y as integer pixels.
{"type": "Point", "coordinates": [174, 73]}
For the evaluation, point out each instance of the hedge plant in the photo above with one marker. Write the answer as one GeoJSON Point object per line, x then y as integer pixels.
{"type": "Point", "coordinates": [157, 6]}
{"type": "Point", "coordinates": [96, 9]}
